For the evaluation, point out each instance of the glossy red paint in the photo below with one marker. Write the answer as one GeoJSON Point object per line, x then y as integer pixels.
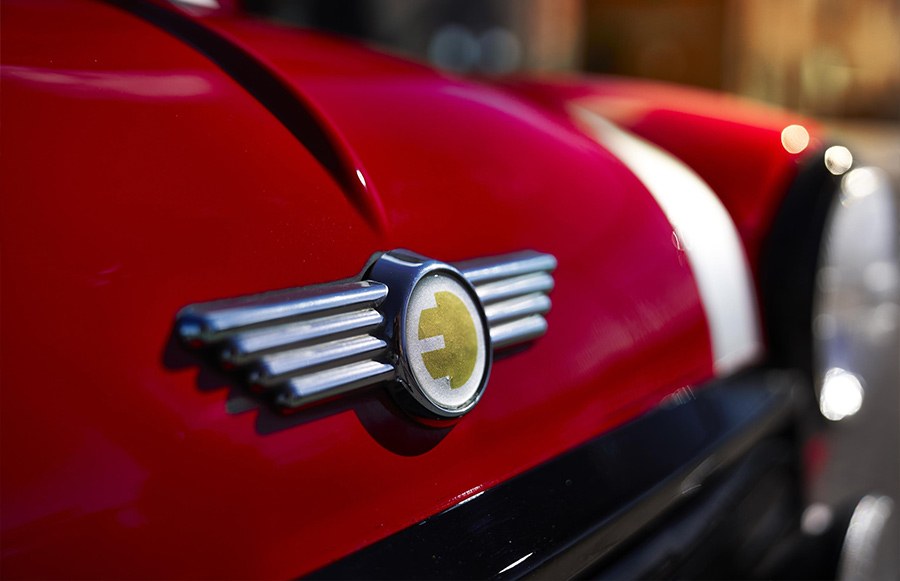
{"type": "Point", "coordinates": [733, 144]}
{"type": "Point", "coordinates": [138, 177]}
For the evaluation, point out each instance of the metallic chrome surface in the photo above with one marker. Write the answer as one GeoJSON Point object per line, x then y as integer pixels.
{"type": "Point", "coordinates": [861, 542]}
{"type": "Point", "coordinates": [324, 385]}
{"type": "Point", "coordinates": [515, 308]}
{"type": "Point", "coordinates": [213, 321]}
{"type": "Point", "coordinates": [306, 345]}
{"type": "Point", "coordinates": [274, 369]}
{"type": "Point", "coordinates": [246, 346]}
{"type": "Point", "coordinates": [856, 300]}
{"type": "Point", "coordinates": [513, 289]}
{"type": "Point", "coordinates": [481, 270]}
{"type": "Point", "coordinates": [518, 331]}
{"type": "Point", "coordinates": [402, 271]}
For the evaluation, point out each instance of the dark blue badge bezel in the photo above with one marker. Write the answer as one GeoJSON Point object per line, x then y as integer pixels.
{"type": "Point", "coordinates": [401, 271]}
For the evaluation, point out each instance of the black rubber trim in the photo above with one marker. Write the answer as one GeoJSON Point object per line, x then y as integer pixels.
{"type": "Point", "coordinates": [565, 516]}
{"type": "Point", "coordinates": [729, 530]}
{"type": "Point", "coordinates": [789, 265]}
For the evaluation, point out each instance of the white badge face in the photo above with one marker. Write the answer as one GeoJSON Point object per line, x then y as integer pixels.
{"type": "Point", "coordinates": [445, 341]}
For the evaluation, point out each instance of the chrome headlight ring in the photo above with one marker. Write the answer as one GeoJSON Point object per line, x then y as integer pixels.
{"type": "Point", "coordinates": [830, 279]}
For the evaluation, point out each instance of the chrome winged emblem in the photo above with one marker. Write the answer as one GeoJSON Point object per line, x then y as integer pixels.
{"type": "Point", "coordinates": [426, 329]}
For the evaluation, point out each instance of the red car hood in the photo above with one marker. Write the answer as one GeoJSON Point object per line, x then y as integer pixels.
{"type": "Point", "coordinates": [141, 175]}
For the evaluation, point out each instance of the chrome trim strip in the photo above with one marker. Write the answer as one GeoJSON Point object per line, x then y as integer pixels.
{"type": "Point", "coordinates": [213, 321]}
{"type": "Point", "coordinates": [481, 270]}
{"type": "Point", "coordinates": [278, 368]}
{"type": "Point", "coordinates": [513, 290]}
{"type": "Point", "coordinates": [518, 331]}
{"type": "Point", "coordinates": [513, 287]}
{"type": "Point", "coordinates": [247, 346]}
{"type": "Point", "coordinates": [517, 307]}
{"type": "Point", "coordinates": [316, 387]}
{"type": "Point", "coordinates": [308, 344]}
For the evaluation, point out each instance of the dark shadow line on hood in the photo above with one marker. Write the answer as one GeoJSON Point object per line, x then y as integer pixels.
{"type": "Point", "coordinates": [305, 122]}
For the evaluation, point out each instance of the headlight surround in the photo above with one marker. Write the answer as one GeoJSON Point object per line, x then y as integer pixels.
{"type": "Point", "coordinates": [855, 307]}
{"type": "Point", "coordinates": [829, 279]}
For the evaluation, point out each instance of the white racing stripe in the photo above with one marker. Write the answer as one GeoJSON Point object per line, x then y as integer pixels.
{"type": "Point", "coordinates": [708, 237]}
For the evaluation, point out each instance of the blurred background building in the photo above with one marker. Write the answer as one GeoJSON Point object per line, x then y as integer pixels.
{"type": "Point", "coordinates": [832, 59]}
{"type": "Point", "coordinates": [821, 57]}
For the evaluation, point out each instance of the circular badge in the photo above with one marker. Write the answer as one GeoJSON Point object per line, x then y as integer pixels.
{"type": "Point", "coordinates": [446, 344]}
